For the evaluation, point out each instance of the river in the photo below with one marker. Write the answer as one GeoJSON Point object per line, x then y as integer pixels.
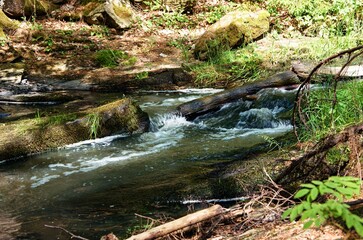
{"type": "Point", "coordinates": [94, 187]}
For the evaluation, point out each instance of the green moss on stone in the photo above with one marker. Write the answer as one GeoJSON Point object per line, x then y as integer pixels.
{"type": "Point", "coordinates": [122, 12]}
{"type": "Point", "coordinates": [23, 137]}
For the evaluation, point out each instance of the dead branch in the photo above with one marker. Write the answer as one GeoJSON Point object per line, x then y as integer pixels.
{"type": "Point", "coordinates": [180, 223]}
{"type": "Point", "coordinates": [300, 164]}
{"type": "Point", "coordinates": [352, 54]}
{"type": "Point", "coordinates": [65, 230]}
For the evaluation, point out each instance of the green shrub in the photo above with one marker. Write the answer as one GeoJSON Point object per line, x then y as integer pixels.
{"type": "Point", "coordinates": [321, 17]}
{"type": "Point", "coordinates": [341, 188]}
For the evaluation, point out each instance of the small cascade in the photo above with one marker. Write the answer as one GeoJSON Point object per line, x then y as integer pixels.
{"type": "Point", "coordinates": [108, 175]}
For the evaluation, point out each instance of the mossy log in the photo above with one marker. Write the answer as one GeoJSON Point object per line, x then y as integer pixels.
{"type": "Point", "coordinates": [206, 104]}
{"type": "Point", "coordinates": [25, 137]}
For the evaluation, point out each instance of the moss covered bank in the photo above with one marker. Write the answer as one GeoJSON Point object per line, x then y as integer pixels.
{"type": "Point", "coordinates": [25, 137]}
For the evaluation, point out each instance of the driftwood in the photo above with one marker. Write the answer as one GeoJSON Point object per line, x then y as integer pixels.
{"type": "Point", "coordinates": [203, 105]}
{"type": "Point", "coordinates": [180, 223]}
{"type": "Point", "coordinates": [303, 70]}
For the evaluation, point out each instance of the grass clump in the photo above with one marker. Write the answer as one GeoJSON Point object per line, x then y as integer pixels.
{"type": "Point", "coordinates": [324, 117]}
{"type": "Point", "coordinates": [94, 124]}
{"type": "Point", "coordinates": [112, 58]}
{"type": "Point", "coordinates": [229, 66]}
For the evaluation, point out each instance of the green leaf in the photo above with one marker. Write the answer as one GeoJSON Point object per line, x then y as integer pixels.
{"type": "Point", "coordinates": [349, 221]}
{"type": "Point", "coordinates": [286, 213]}
{"type": "Point", "coordinates": [308, 224]}
{"type": "Point", "coordinates": [293, 214]}
{"type": "Point", "coordinates": [353, 185]}
{"type": "Point", "coordinates": [347, 192]}
{"type": "Point", "coordinates": [317, 182]}
{"type": "Point", "coordinates": [331, 185]}
{"type": "Point", "coordinates": [307, 185]}
{"type": "Point", "coordinates": [302, 193]}
{"type": "Point", "coordinates": [358, 228]}
{"type": "Point", "coordinates": [314, 193]}
{"type": "Point", "coordinates": [307, 214]}
{"type": "Point", "coordinates": [306, 205]}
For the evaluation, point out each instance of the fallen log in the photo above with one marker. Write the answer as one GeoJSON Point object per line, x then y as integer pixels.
{"type": "Point", "coordinates": [303, 70]}
{"type": "Point", "coordinates": [203, 105]}
{"type": "Point", "coordinates": [181, 223]}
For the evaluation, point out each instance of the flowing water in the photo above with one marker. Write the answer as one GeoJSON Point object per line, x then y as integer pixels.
{"type": "Point", "coordinates": [95, 187]}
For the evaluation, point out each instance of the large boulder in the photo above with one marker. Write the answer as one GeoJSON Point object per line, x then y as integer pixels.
{"type": "Point", "coordinates": [235, 28]}
{"type": "Point", "coordinates": [23, 137]}
{"type": "Point", "coordinates": [27, 8]}
{"type": "Point", "coordinates": [117, 14]}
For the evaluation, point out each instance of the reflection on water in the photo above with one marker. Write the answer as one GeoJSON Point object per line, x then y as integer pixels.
{"type": "Point", "coordinates": [94, 187]}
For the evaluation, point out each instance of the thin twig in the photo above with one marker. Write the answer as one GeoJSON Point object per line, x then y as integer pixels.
{"type": "Point", "coordinates": [70, 233]}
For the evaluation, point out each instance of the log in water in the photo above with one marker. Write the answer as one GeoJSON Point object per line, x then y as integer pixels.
{"type": "Point", "coordinates": [203, 105]}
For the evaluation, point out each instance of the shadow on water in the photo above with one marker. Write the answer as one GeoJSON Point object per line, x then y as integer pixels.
{"type": "Point", "coordinates": [95, 187]}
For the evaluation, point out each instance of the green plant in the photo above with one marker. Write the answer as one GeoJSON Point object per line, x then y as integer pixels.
{"type": "Point", "coordinates": [36, 26]}
{"type": "Point", "coordinates": [181, 44]}
{"type": "Point", "coordinates": [341, 188]}
{"type": "Point", "coordinates": [241, 64]}
{"type": "Point", "coordinates": [100, 31]}
{"type": "Point", "coordinates": [49, 44]}
{"type": "Point", "coordinates": [153, 4]}
{"type": "Point", "coordinates": [110, 58]}
{"type": "Point", "coordinates": [174, 20]}
{"type": "Point", "coordinates": [94, 123]}
{"type": "Point", "coordinates": [323, 118]}
{"type": "Point", "coordinates": [141, 75]}
{"type": "Point", "coordinates": [321, 17]}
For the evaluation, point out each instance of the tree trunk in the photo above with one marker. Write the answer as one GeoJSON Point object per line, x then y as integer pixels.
{"type": "Point", "coordinates": [203, 105]}
{"type": "Point", "coordinates": [6, 23]}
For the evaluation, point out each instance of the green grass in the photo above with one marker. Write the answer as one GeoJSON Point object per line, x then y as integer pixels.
{"type": "Point", "coordinates": [323, 119]}
{"type": "Point", "coordinates": [94, 124]}
{"type": "Point", "coordinates": [242, 65]}
{"type": "Point", "coordinates": [113, 58]}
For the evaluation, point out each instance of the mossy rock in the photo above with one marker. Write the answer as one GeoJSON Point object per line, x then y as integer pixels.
{"type": "Point", "coordinates": [38, 7]}
{"type": "Point", "coordinates": [6, 23]}
{"type": "Point", "coordinates": [234, 29]}
{"type": "Point", "coordinates": [25, 137]}
{"type": "Point", "coordinates": [117, 14]}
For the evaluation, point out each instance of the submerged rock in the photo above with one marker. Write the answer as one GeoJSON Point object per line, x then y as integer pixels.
{"type": "Point", "coordinates": [235, 28]}
{"type": "Point", "coordinates": [25, 137]}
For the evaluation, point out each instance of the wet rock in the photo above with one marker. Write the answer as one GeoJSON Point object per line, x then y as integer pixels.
{"type": "Point", "coordinates": [24, 137]}
{"type": "Point", "coordinates": [234, 29]}
{"type": "Point", "coordinates": [114, 13]}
